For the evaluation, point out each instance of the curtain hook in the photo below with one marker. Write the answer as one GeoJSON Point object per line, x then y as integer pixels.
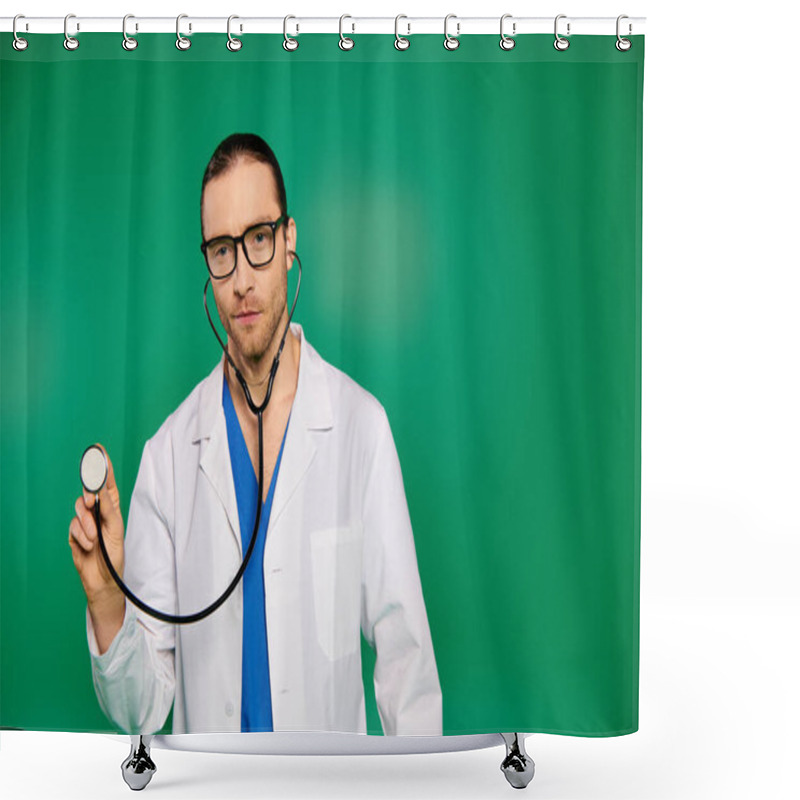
{"type": "Point", "coordinates": [182, 43]}
{"type": "Point", "coordinates": [506, 42]}
{"type": "Point", "coordinates": [561, 43]}
{"type": "Point", "coordinates": [19, 43]}
{"type": "Point", "coordinates": [345, 42]}
{"type": "Point", "coordinates": [290, 43]}
{"type": "Point", "coordinates": [400, 42]}
{"type": "Point", "coordinates": [128, 43]}
{"type": "Point", "coordinates": [70, 42]}
{"type": "Point", "coordinates": [622, 43]}
{"type": "Point", "coordinates": [234, 44]}
{"type": "Point", "coordinates": [451, 42]}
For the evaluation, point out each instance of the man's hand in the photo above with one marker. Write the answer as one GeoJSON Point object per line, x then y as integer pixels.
{"type": "Point", "coordinates": [106, 601]}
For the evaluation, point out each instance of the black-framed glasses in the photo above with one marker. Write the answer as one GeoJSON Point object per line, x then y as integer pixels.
{"type": "Point", "coordinates": [258, 243]}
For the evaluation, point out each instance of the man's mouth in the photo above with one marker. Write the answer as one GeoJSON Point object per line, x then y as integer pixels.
{"type": "Point", "coordinates": [247, 317]}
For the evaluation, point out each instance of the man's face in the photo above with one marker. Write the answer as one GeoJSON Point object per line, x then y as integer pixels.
{"type": "Point", "coordinates": [251, 302]}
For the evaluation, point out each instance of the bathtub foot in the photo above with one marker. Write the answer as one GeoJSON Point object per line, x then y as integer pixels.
{"type": "Point", "coordinates": [517, 766]}
{"type": "Point", "coordinates": [138, 767]}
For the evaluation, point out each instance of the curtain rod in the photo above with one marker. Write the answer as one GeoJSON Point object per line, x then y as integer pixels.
{"type": "Point", "coordinates": [512, 26]}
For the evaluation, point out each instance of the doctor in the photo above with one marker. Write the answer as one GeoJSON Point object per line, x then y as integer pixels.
{"type": "Point", "coordinates": [336, 554]}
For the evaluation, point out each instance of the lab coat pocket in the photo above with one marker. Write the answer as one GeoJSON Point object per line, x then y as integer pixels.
{"type": "Point", "coordinates": [336, 567]}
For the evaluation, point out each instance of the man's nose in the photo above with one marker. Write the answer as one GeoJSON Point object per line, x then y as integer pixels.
{"type": "Point", "coordinates": [243, 272]}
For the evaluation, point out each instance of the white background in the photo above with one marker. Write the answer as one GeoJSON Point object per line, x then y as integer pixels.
{"type": "Point", "coordinates": [720, 451]}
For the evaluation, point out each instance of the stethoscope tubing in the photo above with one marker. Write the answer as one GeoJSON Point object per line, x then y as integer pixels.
{"type": "Point", "coordinates": [185, 619]}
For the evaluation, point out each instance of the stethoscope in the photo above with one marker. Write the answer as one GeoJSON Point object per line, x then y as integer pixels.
{"type": "Point", "coordinates": [94, 472]}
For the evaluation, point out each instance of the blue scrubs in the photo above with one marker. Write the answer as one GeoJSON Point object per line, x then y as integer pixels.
{"type": "Point", "coordinates": [256, 698]}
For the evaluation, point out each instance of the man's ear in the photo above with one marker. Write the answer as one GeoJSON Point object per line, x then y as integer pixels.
{"type": "Point", "coordinates": [287, 240]}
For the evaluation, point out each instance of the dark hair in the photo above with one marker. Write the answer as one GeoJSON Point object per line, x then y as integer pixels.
{"type": "Point", "coordinates": [243, 145]}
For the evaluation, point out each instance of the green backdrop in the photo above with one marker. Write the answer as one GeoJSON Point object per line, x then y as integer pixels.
{"type": "Point", "coordinates": [470, 229]}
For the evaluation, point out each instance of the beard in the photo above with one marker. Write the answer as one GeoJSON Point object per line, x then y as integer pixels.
{"type": "Point", "coordinates": [255, 343]}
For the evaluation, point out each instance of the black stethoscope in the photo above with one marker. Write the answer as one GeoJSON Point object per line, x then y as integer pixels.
{"type": "Point", "coordinates": [94, 472]}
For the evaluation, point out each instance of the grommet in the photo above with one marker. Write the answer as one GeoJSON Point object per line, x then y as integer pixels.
{"type": "Point", "coordinates": [345, 43]}
{"type": "Point", "coordinates": [506, 42]}
{"type": "Point", "coordinates": [289, 43]}
{"type": "Point", "coordinates": [561, 43]}
{"type": "Point", "coordinates": [128, 42]}
{"type": "Point", "coordinates": [451, 42]}
{"type": "Point", "coordinates": [18, 43]}
{"type": "Point", "coordinates": [182, 43]}
{"type": "Point", "coordinates": [623, 44]}
{"type": "Point", "coordinates": [233, 44]}
{"type": "Point", "coordinates": [400, 42]}
{"type": "Point", "coordinates": [70, 42]}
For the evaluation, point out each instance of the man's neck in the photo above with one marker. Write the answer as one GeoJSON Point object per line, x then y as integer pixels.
{"type": "Point", "coordinates": [256, 374]}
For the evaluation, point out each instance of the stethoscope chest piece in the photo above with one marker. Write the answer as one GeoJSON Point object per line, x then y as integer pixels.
{"type": "Point", "coordinates": [94, 469]}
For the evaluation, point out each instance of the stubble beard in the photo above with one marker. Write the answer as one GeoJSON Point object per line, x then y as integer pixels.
{"type": "Point", "coordinates": [254, 346]}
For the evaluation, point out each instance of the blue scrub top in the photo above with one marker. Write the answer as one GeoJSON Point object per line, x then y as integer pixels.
{"type": "Point", "coordinates": [256, 698]}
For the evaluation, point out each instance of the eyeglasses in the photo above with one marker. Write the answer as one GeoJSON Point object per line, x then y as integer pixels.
{"type": "Point", "coordinates": [258, 243]}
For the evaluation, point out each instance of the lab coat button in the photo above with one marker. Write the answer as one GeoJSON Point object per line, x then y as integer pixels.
{"type": "Point", "coordinates": [229, 708]}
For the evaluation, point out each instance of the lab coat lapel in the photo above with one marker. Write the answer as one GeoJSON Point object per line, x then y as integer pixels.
{"type": "Point", "coordinates": [311, 415]}
{"type": "Point", "coordinates": [215, 460]}
{"type": "Point", "coordinates": [311, 412]}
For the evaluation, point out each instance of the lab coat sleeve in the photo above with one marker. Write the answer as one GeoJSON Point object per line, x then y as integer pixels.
{"type": "Point", "coordinates": [394, 620]}
{"type": "Point", "coordinates": [135, 678]}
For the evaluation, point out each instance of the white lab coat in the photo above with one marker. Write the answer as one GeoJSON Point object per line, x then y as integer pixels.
{"type": "Point", "coordinates": [339, 560]}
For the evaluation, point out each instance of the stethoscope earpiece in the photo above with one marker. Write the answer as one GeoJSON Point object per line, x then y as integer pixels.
{"type": "Point", "coordinates": [94, 469]}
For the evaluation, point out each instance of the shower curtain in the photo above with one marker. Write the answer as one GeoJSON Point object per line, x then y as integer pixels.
{"type": "Point", "coordinates": [469, 224]}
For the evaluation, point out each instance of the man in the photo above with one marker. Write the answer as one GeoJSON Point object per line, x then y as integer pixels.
{"type": "Point", "coordinates": [337, 558]}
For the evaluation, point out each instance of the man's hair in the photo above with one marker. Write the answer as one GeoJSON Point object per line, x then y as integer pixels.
{"type": "Point", "coordinates": [243, 145]}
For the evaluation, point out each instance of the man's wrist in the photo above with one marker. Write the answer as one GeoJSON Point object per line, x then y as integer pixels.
{"type": "Point", "coordinates": [107, 615]}
{"type": "Point", "coordinates": [107, 605]}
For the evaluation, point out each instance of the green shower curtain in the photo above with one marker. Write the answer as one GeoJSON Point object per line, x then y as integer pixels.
{"type": "Point", "coordinates": [469, 224]}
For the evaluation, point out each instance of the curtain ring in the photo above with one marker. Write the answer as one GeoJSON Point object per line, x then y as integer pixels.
{"type": "Point", "coordinates": [561, 43]}
{"type": "Point", "coordinates": [289, 43]}
{"type": "Point", "coordinates": [506, 42]}
{"type": "Point", "coordinates": [622, 43]}
{"type": "Point", "coordinates": [182, 43]}
{"type": "Point", "coordinates": [451, 42]}
{"type": "Point", "coordinates": [19, 43]}
{"type": "Point", "coordinates": [128, 43]}
{"type": "Point", "coordinates": [345, 42]}
{"type": "Point", "coordinates": [400, 42]}
{"type": "Point", "coordinates": [70, 42]}
{"type": "Point", "coordinates": [234, 44]}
